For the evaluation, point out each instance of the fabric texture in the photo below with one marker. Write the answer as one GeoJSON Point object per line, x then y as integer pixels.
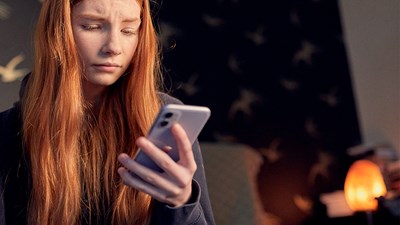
{"type": "Point", "coordinates": [15, 176]}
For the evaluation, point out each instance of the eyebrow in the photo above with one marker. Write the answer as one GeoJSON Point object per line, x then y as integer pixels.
{"type": "Point", "coordinates": [100, 18]}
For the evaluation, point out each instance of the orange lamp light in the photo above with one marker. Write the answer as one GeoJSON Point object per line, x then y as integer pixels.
{"type": "Point", "coordinates": [364, 183]}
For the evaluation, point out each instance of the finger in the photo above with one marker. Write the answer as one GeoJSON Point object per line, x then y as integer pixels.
{"type": "Point", "coordinates": [161, 158]}
{"type": "Point", "coordinates": [138, 171]}
{"type": "Point", "coordinates": [143, 186]}
{"type": "Point", "coordinates": [172, 195]}
{"type": "Point", "coordinates": [181, 175]}
{"type": "Point", "coordinates": [186, 157]}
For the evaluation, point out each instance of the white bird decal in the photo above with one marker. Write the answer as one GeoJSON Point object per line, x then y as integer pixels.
{"type": "Point", "coordinates": [257, 37]}
{"type": "Point", "coordinates": [243, 104]}
{"type": "Point", "coordinates": [320, 168]}
{"type": "Point", "coordinates": [212, 21]}
{"type": "Point", "coordinates": [190, 86]}
{"type": "Point", "coordinates": [271, 152]}
{"type": "Point", "coordinates": [289, 84]}
{"type": "Point", "coordinates": [304, 203]}
{"type": "Point", "coordinates": [234, 64]}
{"type": "Point", "coordinates": [9, 73]}
{"type": "Point", "coordinates": [5, 11]}
{"type": "Point", "coordinates": [305, 53]}
{"type": "Point", "coordinates": [311, 128]}
{"type": "Point", "coordinates": [330, 98]}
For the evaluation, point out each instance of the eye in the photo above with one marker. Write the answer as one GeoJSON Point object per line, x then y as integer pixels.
{"type": "Point", "coordinates": [90, 27]}
{"type": "Point", "coordinates": [129, 31]}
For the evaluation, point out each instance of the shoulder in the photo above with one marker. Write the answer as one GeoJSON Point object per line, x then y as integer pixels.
{"type": "Point", "coordinates": [168, 99]}
{"type": "Point", "coordinates": [10, 136]}
{"type": "Point", "coordinates": [9, 120]}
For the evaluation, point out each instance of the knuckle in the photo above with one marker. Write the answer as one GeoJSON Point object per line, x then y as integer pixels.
{"type": "Point", "coordinates": [175, 192]}
{"type": "Point", "coordinates": [149, 178]}
{"type": "Point", "coordinates": [192, 169]}
{"type": "Point", "coordinates": [165, 164]}
{"type": "Point", "coordinates": [185, 181]}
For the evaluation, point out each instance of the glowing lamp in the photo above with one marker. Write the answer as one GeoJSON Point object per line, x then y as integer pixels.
{"type": "Point", "coordinates": [364, 183]}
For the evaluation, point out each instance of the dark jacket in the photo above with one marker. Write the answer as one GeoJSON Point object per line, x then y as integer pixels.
{"type": "Point", "coordinates": [15, 178]}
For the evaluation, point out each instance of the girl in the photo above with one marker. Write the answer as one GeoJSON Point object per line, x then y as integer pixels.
{"type": "Point", "coordinates": [93, 93]}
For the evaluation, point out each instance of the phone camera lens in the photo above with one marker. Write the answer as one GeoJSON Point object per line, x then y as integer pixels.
{"type": "Point", "coordinates": [164, 123]}
{"type": "Point", "coordinates": [168, 115]}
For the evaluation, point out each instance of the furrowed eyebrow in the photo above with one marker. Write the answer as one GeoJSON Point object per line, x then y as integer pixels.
{"type": "Point", "coordinates": [131, 19]}
{"type": "Point", "coordinates": [90, 17]}
{"type": "Point", "coordinates": [99, 18]}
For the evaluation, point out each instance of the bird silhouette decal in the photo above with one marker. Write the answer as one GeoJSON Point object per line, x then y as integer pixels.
{"type": "Point", "coordinates": [271, 153]}
{"type": "Point", "coordinates": [305, 53]}
{"type": "Point", "coordinates": [330, 98]}
{"type": "Point", "coordinates": [244, 103]}
{"type": "Point", "coordinates": [190, 87]}
{"type": "Point", "coordinates": [9, 73]}
{"type": "Point", "coordinates": [321, 167]}
{"type": "Point", "coordinates": [257, 37]}
{"type": "Point", "coordinates": [5, 11]}
{"type": "Point", "coordinates": [212, 21]}
{"type": "Point", "coordinates": [303, 203]}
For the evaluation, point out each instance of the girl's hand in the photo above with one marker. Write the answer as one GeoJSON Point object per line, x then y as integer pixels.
{"type": "Point", "coordinates": [174, 185]}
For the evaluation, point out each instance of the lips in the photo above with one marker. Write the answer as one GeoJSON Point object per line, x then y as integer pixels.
{"type": "Point", "coordinates": [107, 67]}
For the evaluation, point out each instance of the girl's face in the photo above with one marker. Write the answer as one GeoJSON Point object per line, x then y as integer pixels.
{"type": "Point", "coordinates": [106, 35]}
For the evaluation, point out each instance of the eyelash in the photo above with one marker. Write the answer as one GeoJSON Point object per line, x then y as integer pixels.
{"type": "Point", "coordinates": [128, 31]}
{"type": "Point", "coordinates": [91, 27]}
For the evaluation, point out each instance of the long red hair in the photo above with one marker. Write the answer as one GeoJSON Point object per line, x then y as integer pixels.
{"type": "Point", "coordinates": [72, 151]}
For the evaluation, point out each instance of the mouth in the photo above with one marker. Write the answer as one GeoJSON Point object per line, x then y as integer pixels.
{"type": "Point", "coordinates": [107, 67]}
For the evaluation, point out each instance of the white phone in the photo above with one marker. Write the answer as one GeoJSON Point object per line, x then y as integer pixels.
{"type": "Point", "coordinates": [192, 118]}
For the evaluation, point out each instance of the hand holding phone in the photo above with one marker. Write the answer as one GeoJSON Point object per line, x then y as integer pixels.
{"type": "Point", "coordinates": [191, 118]}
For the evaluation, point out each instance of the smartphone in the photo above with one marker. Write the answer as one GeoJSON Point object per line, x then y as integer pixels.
{"type": "Point", "coordinates": [191, 117]}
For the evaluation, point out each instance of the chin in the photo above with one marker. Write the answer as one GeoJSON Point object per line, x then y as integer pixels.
{"type": "Point", "coordinates": [103, 80]}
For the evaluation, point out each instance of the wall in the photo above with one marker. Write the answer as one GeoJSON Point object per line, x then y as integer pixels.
{"type": "Point", "coordinates": [275, 75]}
{"type": "Point", "coordinates": [17, 20]}
{"type": "Point", "coordinates": [371, 29]}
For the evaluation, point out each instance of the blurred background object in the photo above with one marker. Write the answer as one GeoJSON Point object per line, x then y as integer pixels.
{"type": "Point", "coordinates": [298, 90]}
{"type": "Point", "coordinates": [363, 186]}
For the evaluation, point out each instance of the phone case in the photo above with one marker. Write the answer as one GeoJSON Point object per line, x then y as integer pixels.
{"type": "Point", "coordinates": [192, 118]}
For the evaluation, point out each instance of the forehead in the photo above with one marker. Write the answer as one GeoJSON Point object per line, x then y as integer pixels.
{"type": "Point", "coordinates": [123, 8]}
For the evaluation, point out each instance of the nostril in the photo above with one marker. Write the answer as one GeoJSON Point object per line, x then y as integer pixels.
{"type": "Point", "coordinates": [111, 51]}
{"type": "Point", "coordinates": [111, 46]}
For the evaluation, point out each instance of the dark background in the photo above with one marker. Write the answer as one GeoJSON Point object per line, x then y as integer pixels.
{"type": "Point", "coordinates": [274, 73]}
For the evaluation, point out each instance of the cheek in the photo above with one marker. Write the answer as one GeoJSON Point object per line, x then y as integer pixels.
{"type": "Point", "coordinates": [130, 48]}
{"type": "Point", "coordinates": [86, 47]}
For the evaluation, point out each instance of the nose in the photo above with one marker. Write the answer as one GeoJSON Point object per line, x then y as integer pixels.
{"type": "Point", "coordinates": [112, 44]}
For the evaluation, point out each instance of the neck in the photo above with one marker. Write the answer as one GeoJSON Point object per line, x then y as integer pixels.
{"type": "Point", "coordinates": [93, 95]}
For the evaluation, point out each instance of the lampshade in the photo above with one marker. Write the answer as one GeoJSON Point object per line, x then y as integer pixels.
{"type": "Point", "coordinates": [364, 183]}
